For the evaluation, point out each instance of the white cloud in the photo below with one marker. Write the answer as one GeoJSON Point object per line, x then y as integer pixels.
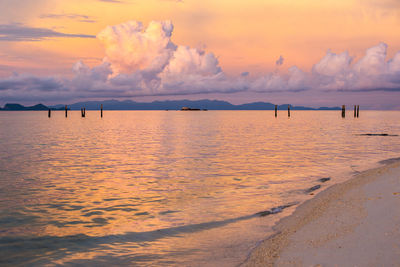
{"type": "Point", "coordinates": [295, 80]}
{"type": "Point", "coordinates": [333, 64]}
{"type": "Point", "coordinates": [186, 60]}
{"type": "Point", "coordinates": [130, 47]}
{"type": "Point", "coordinates": [150, 63]}
{"type": "Point", "coordinates": [373, 63]}
{"type": "Point", "coordinates": [338, 72]}
{"type": "Point", "coordinates": [143, 61]}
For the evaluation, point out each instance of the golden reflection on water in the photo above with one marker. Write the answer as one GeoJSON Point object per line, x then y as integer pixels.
{"type": "Point", "coordinates": [132, 173]}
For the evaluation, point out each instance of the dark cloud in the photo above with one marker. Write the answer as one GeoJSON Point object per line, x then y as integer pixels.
{"type": "Point", "coordinates": [30, 83]}
{"type": "Point", "coordinates": [143, 61]}
{"type": "Point", "coordinates": [18, 33]}
{"type": "Point", "coordinates": [383, 89]}
{"type": "Point", "coordinates": [279, 61]}
{"type": "Point", "coordinates": [77, 17]}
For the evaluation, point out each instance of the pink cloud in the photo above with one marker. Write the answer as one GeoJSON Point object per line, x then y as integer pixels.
{"type": "Point", "coordinates": [143, 61]}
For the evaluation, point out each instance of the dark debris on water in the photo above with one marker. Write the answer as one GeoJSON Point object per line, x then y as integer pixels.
{"type": "Point", "coordinates": [275, 210]}
{"type": "Point", "coordinates": [377, 134]}
{"type": "Point", "coordinates": [323, 180]}
{"type": "Point", "coordinates": [315, 187]}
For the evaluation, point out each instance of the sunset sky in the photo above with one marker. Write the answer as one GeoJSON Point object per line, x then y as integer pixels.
{"type": "Point", "coordinates": [304, 52]}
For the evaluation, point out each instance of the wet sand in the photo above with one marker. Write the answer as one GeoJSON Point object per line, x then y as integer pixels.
{"type": "Point", "coordinates": [355, 223]}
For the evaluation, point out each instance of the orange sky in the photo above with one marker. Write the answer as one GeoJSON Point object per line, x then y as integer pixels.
{"type": "Point", "coordinates": [48, 37]}
{"type": "Point", "coordinates": [244, 35]}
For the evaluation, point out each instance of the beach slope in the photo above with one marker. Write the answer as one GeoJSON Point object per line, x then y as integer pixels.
{"type": "Point", "coordinates": [355, 223]}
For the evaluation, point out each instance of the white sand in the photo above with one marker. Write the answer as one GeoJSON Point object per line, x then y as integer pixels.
{"type": "Point", "coordinates": [356, 223]}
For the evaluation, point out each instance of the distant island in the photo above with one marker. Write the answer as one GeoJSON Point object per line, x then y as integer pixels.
{"type": "Point", "coordinates": [204, 104]}
{"type": "Point", "coordinates": [21, 107]}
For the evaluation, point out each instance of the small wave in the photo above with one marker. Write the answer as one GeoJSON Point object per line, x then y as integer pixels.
{"type": "Point", "coordinates": [56, 247]}
{"type": "Point", "coordinates": [389, 161]}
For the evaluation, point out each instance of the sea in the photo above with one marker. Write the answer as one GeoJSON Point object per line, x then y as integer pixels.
{"type": "Point", "coordinates": [170, 188]}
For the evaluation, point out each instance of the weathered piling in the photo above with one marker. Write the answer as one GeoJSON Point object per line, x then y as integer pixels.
{"type": "Point", "coordinates": [343, 111]}
{"type": "Point", "coordinates": [83, 112]}
{"type": "Point", "coordinates": [276, 111]}
{"type": "Point", "coordinates": [358, 110]}
{"type": "Point", "coordinates": [355, 111]}
{"type": "Point", "coordinates": [66, 111]}
{"type": "Point", "coordinates": [288, 111]}
{"type": "Point", "coordinates": [49, 114]}
{"type": "Point", "coordinates": [101, 110]}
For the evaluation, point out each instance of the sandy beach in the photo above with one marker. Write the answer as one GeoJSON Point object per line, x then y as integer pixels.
{"type": "Point", "coordinates": [355, 223]}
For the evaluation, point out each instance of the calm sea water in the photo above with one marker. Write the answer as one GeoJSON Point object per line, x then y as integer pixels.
{"type": "Point", "coordinates": [160, 188]}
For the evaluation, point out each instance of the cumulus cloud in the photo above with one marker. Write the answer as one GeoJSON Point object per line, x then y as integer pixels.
{"type": "Point", "coordinates": [372, 71]}
{"type": "Point", "coordinates": [339, 72]}
{"type": "Point", "coordinates": [143, 61]}
{"type": "Point", "coordinates": [130, 47]}
{"type": "Point", "coordinates": [294, 81]}
{"type": "Point", "coordinates": [332, 64]}
{"type": "Point", "coordinates": [373, 63]}
{"type": "Point", "coordinates": [394, 69]}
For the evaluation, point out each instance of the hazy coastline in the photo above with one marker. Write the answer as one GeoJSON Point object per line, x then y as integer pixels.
{"type": "Point", "coordinates": [160, 105]}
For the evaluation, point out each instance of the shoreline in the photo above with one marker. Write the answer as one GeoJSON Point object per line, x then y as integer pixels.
{"type": "Point", "coordinates": [302, 237]}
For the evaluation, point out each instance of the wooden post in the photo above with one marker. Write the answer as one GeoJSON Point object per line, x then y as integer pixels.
{"type": "Point", "coordinates": [84, 112]}
{"type": "Point", "coordinates": [276, 111]}
{"type": "Point", "coordinates": [358, 110]}
{"type": "Point", "coordinates": [49, 115]}
{"type": "Point", "coordinates": [355, 111]}
{"type": "Point", "coordinates": [101, 110]}
{"type": "Point", "coordinates": [288, 111]}
{"type": "Point", "coordinates": [66, 111]}
{"type": "Point", "coordinates": [343, 111]}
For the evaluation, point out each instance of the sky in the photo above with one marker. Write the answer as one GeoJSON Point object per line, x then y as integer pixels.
{"type": "Point", "coordinates": [303, 52]}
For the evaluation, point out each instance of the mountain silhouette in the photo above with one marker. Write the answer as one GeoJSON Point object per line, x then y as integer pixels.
{"type": "Point", "coordinates": [162, 105]}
